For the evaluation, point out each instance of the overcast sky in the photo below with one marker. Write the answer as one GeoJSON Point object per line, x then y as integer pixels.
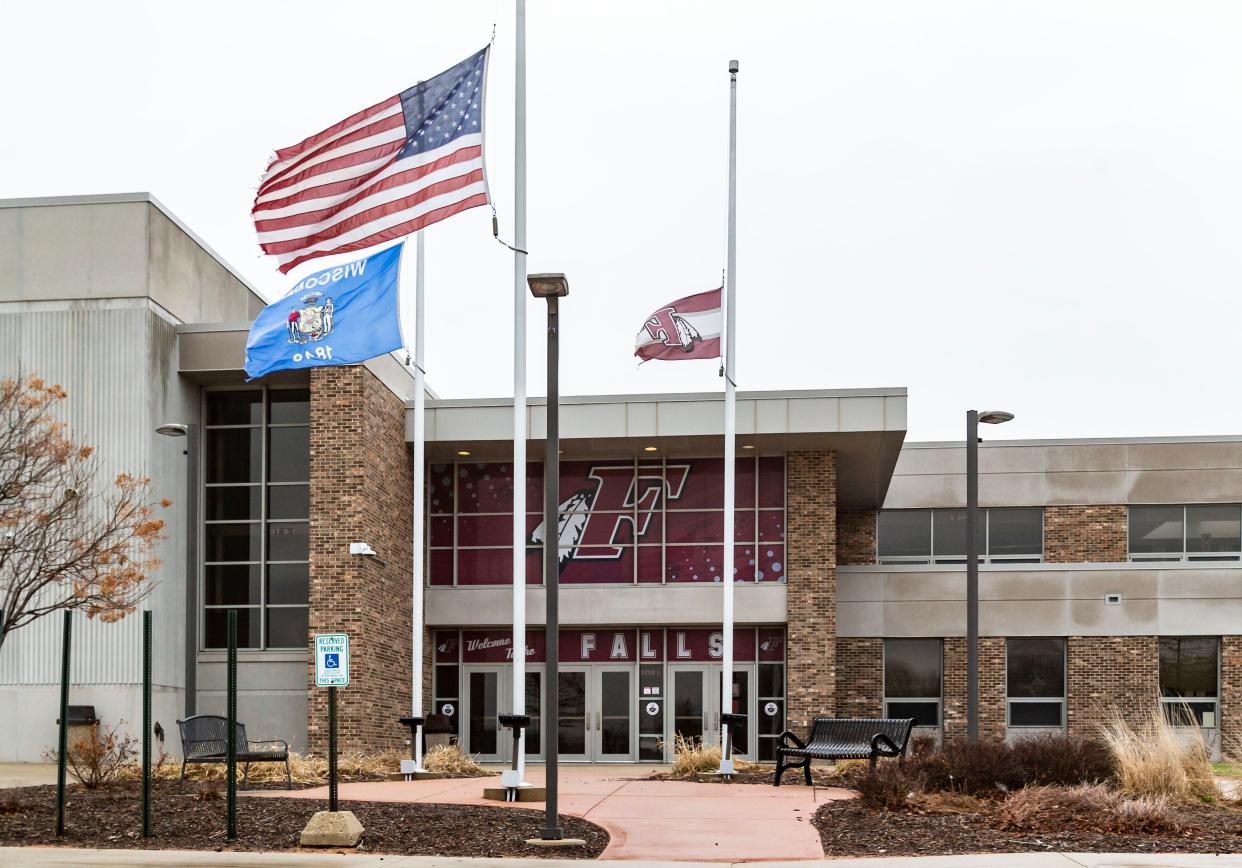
{"type": "Point", "coordinates": [1028, 205]}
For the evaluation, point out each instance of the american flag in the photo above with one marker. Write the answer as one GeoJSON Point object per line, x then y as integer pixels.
{"type": "Point", "coordinates": [389, 170]}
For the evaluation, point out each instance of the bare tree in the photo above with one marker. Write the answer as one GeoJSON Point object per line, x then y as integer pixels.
{"type": "Point", "coordinates": [68, 539]}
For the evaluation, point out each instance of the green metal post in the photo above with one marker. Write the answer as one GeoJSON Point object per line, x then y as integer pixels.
{"type": "Point", "coordinates": [332, 806]}
{"type": "Point", "coordinates": [146, 724]}
{"type": "Point", "coordinates": [231, 758]}
{"type": "Point", "coordinates": [63, 751]}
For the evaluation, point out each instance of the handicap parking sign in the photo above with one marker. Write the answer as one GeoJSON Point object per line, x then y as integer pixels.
{"type": "Point", "coordinates": [332, 660]}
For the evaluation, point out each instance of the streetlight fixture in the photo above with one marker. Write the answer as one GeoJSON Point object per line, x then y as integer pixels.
{"type": "Point", "coordinates": [973, 418]}
{"type": "Point", "coordinates": [190, 433]}
{"type": "Point", "coordinates": [551, 287]}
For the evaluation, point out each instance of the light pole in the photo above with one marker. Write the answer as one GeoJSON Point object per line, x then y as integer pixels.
{"type": "Point", "coordinates": [551, 287]}
{"type": "Point", "coordinates": [190, 433]}
{"type": "Point", "coordinates": [973, 418]}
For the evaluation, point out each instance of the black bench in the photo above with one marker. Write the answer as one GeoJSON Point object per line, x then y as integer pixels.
{"type": "Point", "coordinates": [837, 738]}
{"type": "Point", "coordinates": [204, 739]}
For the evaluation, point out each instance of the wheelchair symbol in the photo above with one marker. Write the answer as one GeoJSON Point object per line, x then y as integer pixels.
{"type": "Point", "coordinates": [331, 661]}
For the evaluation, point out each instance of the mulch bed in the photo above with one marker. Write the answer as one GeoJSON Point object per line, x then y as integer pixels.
{"type": "Point", "coordinates": [112, 818]}
{"type": "Point", "coordinates": [847, 828]}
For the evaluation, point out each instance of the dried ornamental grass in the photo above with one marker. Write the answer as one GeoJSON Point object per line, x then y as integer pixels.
{"type": "Point", "coordinates": [451, 760]}
{"type": "Point", "coordinates": [691, 757]}
{"type": "Point", "coordinates": [1159, 759]}
{"type": "Point", "coordinates": [303, 770]}
{"type": "Point", "coordinates": [1090, 807]}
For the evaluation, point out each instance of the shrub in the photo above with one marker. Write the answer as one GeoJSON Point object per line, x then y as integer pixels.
{"type": "Point", "coordinates": [888, 787]}
{"type": "Point", "coordinates": [1062, 760]}
{"type": "Point", "coordinates": [1160, 760]}
{"type": "Point", "coordinates": [977, 768]}
{"type": "Point", "coordinates": [99, 757]}
{"type": "Point", "coordinates": [1092, 807]}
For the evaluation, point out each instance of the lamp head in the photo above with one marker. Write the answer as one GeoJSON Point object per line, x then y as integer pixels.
{"type": "Point", "coordinates": [548, 285]}
{"type": "Point", "coordinates": [173, 429]}
{"type": "Point", "coordinates": [995, 417]}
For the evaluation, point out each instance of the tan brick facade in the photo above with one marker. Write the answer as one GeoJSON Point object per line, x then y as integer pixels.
{"type": "Point", "coordinates": [1107, 675]}
{"type": "Point", "coordinates": [360, 492]}
{"type": "Point", "coordinates": [811, 579]}
{"type": "Point", "coordinates": [1231, 696]}
{"type": "Point", "coordinates": [860, 677]}
{"type": "Point", "coordinates": [991, 688]}
{"type": "Point", "coordinates": [1085, 534]}
{"type": "Point", "coordinates": [856, 536]}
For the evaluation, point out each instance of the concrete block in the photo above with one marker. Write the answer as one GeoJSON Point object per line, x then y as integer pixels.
{"type": "Point", "coordinates": [557, 843]}
{"type": "Point", "coordinates": [332, 829]}
{"type": "Point", "coordinates": [524, 794]}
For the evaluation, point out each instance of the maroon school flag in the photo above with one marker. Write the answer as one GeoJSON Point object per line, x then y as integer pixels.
{"type": "Point", "coordinates": [688, 328]}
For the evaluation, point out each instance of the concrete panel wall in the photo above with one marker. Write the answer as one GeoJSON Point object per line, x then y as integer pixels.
{"type": "Point", "coordinates": [1189, 470]}
{"type": "Point", "coordinates": [1042, 600]}
{"type": "Point", "coordinates": [271, 693]}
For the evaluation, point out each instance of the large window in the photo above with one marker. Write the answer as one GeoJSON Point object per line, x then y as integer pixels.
{"type": "Point", "coordinates": [1210, 532]}
{"type": "Point", "coordinates": [622, 522]}
{"type": "Point", "coordinates": [1189, 684]}
{"type": "Point", "coordinates": [938, 536]}
{"type": "Point", "coordinates": [256, 511]}
{"type": "Point", "coordinates": [912, 679]}
{"type": "Point", "coordinates": [1035, 678]}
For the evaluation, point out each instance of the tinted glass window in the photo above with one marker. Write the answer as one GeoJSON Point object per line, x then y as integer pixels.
{"type": "Point", "coordinates": [232, 542]}
{"type": "Point", "coordinates": [1035, 713]}
{"type": "Point", "coordinates": [1036, 667]}
{"type": "Point", "coordinates": [288, 405]}
{"type": "Point", "coordinates": [924, 713]}
{"type": "Point", "coordinates": [1213, 529]}
{"type": "Point", "coordinates": [287, 627]}
{"type": "Point", "coordinates": [904, 533]}
{"type": "Point", "coordinates": [235, 408]}
{"type": "Point", "coordinates": [288, 583]}
{"type": "Point", "coordinates": [231, 585]}
{"type": "Point", "coordinates": [1015, 532]}
{"type": "Point", "coordinates": [1188, 666]}
{"type": "Point", "coordinates": [288, 541]}
{"type": "Point", "coordinates": [1155, 529]}
{"type": "Point", "coordinates": [949, 533]}
{"type": "Point", "coordinates": [289, 458]}
{"type": "Point", "coordinates": [912, 667]}
{"type": "Point", "coordinates": [237, 502]}
{"type": "Point", "coordinates": [288, 501]}
{"type": "Point", "coordinates": [234, 454]}
{"type": "Point", "coordinates": [248, 625]}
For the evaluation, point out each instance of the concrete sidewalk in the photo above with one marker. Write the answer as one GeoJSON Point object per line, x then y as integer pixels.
{"type": "Point", "coordinates": [55, 857]}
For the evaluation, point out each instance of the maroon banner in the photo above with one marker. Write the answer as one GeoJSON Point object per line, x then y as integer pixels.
{"type": "Point", "coordinates": [496, 646]}
{"type": "Point", "coordinates": [598, 646]}
{"type": "Point", "coordinates": [772, 644]}
{"type": "Point", "coordinates": [651, 645]}
{"type": "Point", "coordinates": [695, 645]}
{"type": "Point", "coordinates": [446, 646]}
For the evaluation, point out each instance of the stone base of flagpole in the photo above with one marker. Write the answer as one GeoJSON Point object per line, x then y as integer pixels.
{"type": "Point", "coordinates": [554, 843]}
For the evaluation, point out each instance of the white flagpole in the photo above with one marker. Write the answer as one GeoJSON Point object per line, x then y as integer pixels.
{"type": "Point", "coordinates": [416, 608]}
{"type": "Point", "coordinates": [519, 385]}
{"type": "Point", "coordinates": [726, 687]}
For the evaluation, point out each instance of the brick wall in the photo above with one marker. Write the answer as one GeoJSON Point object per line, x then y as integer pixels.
{"type": "Point", "coordinates": [1084, 534]}
{"type": "Point", "coordinates": [991, 687]}
{"type": "Point", "coordinates": [856, 536]}
{"type": "Point", "coordinates": [360, 492]}
{"type": "Point", "coordinates": [1231, 697]}
{"type": "Point", "coordinates": [811, 582]}
{"type": "Point", "coordinates": [860, 677]}
{"type": "Point", "coordinates": [1107, 675]}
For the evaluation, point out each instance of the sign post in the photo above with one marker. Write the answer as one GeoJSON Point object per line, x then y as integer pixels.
{"type": "Point", "coordinates": [333, 827]}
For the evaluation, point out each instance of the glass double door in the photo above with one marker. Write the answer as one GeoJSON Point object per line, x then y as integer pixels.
{"type": "Point", "coordinates": [597, 714]}
{"type": "Point", "coordinates": [487, 694]}
{"type": "Point", "coordinates": [596, 705]}
{"type": "Point", "coordinates": [695, 692]}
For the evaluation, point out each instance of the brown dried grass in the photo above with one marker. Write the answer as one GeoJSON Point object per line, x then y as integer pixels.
{"type": "Point", "coordinates": [1092, 807]}
{"type": "Point", "coordinates": [1159, 760]}
{"type": "Point", "coordinates": [691, 758]}
{"type": "Point", "coordinates": [304, 770]}
{"type": "Point", "coordinates": [451, 760]}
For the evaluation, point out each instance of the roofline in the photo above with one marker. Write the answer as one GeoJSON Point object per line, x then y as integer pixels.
{"type": "Point", "coordinates": [121, 198]}
{"type": "Point", "coordinates": [1080, 441]}
{"type": "Point", "coordinates": [642, 397]}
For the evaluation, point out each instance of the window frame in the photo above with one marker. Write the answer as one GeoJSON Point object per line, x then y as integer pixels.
{"type": "Point", "coordinates": [1184, 555]}
{"type": "Point", "coordinates": [262, 524]}
{"type": "Point", "coordinates": [938, 700]}
{"type": "Point", "coordinates": [1062, 701]}
{"type": "Point", "coordinates": [985, 555]}
{"type": "Point", "coordinates": [1167, 701]}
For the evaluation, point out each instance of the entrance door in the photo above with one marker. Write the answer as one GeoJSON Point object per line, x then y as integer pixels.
{"type": "Point", "coordinates": [574, 707]}
{"type": "Point", "coordinates": [486, 693]}
{"type": "Point", "coordinates": [489, 694]}
{"type": "Point", "coordinates": [741, 702]}
{"type": "Point", "coordinates": [691, 717]}
{"type": "Point", "coordinates": [614, 735]}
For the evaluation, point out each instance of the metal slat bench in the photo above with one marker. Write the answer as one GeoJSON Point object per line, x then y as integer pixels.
{"type": "Point", "coordinates": [837, 738]}
{"type": "Point", "coordinates": [204, 739]}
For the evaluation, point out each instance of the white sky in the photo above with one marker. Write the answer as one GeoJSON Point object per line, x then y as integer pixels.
{"type": "Point", "coordinates": [1029, 205]}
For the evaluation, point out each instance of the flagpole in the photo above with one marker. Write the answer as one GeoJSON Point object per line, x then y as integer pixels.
{"type": "Point", "coordinates": [730, 426]}
{"type": "Point", "coordinates": [519, 385]}
{"type": "Point", "coordinates": [416, 582]}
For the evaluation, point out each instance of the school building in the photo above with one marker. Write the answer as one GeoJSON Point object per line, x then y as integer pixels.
{"type": "Point", "coordinates": [1111, 579]}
